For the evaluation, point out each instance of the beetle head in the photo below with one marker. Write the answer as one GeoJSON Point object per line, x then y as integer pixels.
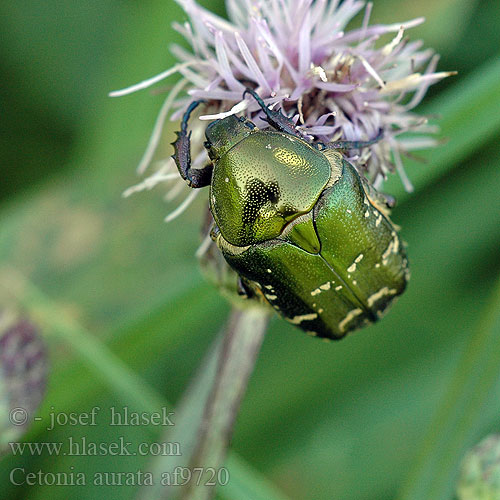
{"type": "Point", "coordinates": [225, 133]}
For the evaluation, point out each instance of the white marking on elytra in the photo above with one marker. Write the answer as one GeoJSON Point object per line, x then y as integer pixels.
{"type": "Point", "coordinates": [367, 213]}
{"type": "Point", "coordinates": [377, 265]}
{"type": "Point", "coordinates": [359, 258]}
{"type": "Point", "coordinates": [312, 334]}
{"type": "Point", "coordinates": [388, 250]}
{"type": "Point", "coordinates": [349, 211]}
{"type": "Point", "coordinates": [352, 268]}
{"type": "Point", "coordinates": [227, 179]}
{"type": "Point", "coordinates": [324, 286]}
{"type": "Point", "coordinates": [381, 293]}
{"type": "Point", "coordinates": [379, 220]}
{"type": "Point", "coordinates": [350, 316]}
{"type": "Point", "coordinates": [268, 146]}
{"type": "Point", "coordinates": [338, 288]}
{"type": "Point", "coordinates": [269, 270]}
{"type": "Point", "coordinates": [354, 282]}
{"type": "Point", "coordinates": [270, 297]}
{"type": "Point", "coordinates": [296, 320]}
{"type": "Point", "coordinates": [393, 247]}
{"type": "Point", "coordinates": [269, 287]}
{"type": "Point", "coordinates": [396, 242]}
{"type": "Point", "coordinates": [320, 311]}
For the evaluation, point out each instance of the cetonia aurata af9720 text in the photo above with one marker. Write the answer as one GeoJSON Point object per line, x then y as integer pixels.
{"type": "Point", "coordinates": [303, 230]}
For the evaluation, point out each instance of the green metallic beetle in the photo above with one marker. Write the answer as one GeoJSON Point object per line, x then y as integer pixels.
{"type": "Point", "coordinates": [298, 224]}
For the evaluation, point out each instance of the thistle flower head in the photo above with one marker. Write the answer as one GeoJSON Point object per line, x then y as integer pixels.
{"type": "Point", "coordinates": [23, 372]}
{"type": "Point", "coordinates": [336, 84]}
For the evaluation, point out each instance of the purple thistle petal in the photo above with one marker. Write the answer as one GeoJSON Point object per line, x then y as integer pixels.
{"type": "Point", "coordinates": [251, 63]}
{"type": "Point", "coordinates": [336, 87]}
{"type": "Point", "coordinates": [305, 44]}
{"type": "Point", "coordinates": [218, 94]}
{"type": "Point", "coordinates": [224, 67]}
{"type": "Point", "coordinates": [320, 130]}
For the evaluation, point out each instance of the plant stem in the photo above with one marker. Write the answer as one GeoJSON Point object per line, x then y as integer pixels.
{"type": "Point", "coordinates": [236, 360]}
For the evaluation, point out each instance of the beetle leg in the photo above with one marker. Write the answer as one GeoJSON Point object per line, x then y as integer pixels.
{"type": "Point", "coordinates": [275, 118]}
{"type": "Point", "coordinates": [244, 291]}
{"type": "Point", "coordinates": [381, 201]}
{"type": "Point", "coordinates": [195, 177]}
{"type": "Point", "coordinates": [388, 200]}
{"type": "Point", "coordinates": [345, 145]}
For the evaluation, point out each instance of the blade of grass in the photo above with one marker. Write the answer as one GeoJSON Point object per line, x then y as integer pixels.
{"type": "Point", "coordinates": [59, 327]}
{"type": "Point", "coordinates": [117, 375]}
{"type": "Point", "coordinates": [136, 345]}
{"type": "Point", "coordinates": [456, 424]}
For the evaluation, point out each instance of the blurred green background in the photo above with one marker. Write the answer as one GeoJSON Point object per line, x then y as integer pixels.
{"type": "Point", "coordinates": [111, 282]}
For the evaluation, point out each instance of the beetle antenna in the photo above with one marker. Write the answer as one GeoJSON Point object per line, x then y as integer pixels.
{"type": "Point", "coordinates": [354, 144]}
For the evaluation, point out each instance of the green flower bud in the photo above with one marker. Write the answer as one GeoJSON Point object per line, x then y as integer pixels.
{"type": "Point", "coordinates": [480, 472]}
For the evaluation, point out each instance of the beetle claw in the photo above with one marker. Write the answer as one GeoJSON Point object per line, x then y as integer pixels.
{"type": "Point", "coordinates": [275, 118]}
